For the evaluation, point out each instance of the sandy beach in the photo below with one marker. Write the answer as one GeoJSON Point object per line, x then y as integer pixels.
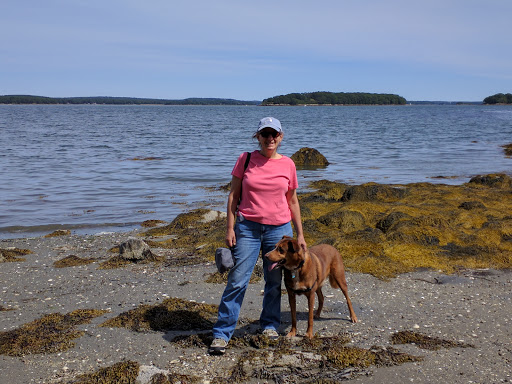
{"type": "Point", "coordinates": [472, 309]}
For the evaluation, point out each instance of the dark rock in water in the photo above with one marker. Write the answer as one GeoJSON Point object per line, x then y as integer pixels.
{"type": "Point", "coordinates": [135, 249]}
{"type": "Point", "coordinates": [309, 157]}
{"type": "Point", "coordinates": [347, 221]}
{"type": "Point", "coordinates": [497, 180]}
{"type": "Point", "coordinates": [508, 149]}
{"type": "Point", "coordinates": [469, 205]}
{"type": "Point", "coordinates": [373, 192]}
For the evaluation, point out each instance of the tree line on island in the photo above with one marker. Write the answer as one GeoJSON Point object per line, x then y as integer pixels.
{"type": "Point", "coordinates": [499, 98]}
{"type": "Point", "coordinates": [293, 99]}
{"type": "Point", "coordinates": [28, 99]}
{"type": "Point", "coordinates": [335, 98]}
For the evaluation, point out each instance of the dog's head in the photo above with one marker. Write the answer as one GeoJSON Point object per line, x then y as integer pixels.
{"type": "Point", "coordinates": [287, 254]}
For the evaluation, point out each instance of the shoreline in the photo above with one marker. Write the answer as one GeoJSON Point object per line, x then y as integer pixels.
{"type": "Point", "coordinates": [19, 231]}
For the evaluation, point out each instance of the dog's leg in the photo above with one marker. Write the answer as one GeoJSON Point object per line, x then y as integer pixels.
{"type": "Point", "coordinates": [293, 310]}
{"type": "Point", "coordinates": [343, 285]}
{"type": "Point", "coordinates": [353, 316]}
{"type": "Point", "coordinates": [320, 302]}
{"type": "Point", "coordinates": [311, 305]}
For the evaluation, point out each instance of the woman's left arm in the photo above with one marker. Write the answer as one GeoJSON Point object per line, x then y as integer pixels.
{"type": "Point", "coordinates": [293, 203]}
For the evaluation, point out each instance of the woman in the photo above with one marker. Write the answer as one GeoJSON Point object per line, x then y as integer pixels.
{"type": "Point", "coordinates": [262, 203]}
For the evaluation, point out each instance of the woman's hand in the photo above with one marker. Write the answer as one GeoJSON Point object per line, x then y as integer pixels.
{"type": "Point", "coordinates": [230, 238]}
{"type": "Point", "coordinates": [302, 242]}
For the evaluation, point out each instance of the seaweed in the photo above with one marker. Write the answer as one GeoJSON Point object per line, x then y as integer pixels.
{"type": "Point", "coordinates": [13, 255]}
{"type": "Point", "coordinates": [171, 314]}
{"type": "Point", "coordinates": [49, 334]}
{"type": "Point", "coordinates": [382, 230]}
{"type": "Point", "coordinates": [72, 261]}
{"type": "Point", "coordinates": [125, 372]}
{"type": "Point", "coordinates": [424, 341]}
{"type": "Point", "coordinates": [59, 232]}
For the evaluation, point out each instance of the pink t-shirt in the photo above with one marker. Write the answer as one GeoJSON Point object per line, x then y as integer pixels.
{"type": "Point", "coordinates": [264, 187]}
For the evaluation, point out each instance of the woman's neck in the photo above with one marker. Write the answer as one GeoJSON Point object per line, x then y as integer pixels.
{"type": "Point", "coordinates": [271, 154]}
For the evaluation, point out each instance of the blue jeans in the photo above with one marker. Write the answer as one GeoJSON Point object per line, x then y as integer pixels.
{"type": "Point", "coordinates": [250, 238]}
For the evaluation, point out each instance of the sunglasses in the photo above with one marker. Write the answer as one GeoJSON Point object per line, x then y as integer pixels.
{"type": "Point", "coordinates": [266, 134]}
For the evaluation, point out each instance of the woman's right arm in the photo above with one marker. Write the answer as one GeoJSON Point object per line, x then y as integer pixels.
{"type": "Point", "coordinates": [234, 197]}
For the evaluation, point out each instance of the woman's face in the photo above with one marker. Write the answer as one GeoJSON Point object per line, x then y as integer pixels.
{"type": "Point", "coordinates": [269, 139]}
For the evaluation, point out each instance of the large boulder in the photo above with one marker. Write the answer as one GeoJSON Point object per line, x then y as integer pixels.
{"type": "Point", "coordinates": [309, 157]}
{"type": "Point", "coordinates": [135, 250]}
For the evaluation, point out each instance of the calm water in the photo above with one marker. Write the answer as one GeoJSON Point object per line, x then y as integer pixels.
{"type": "Point", "coordinates": [76, 165]}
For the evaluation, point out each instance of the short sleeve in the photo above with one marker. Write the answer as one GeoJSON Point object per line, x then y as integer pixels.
{"type": "Point", "coordinates": [238, 169]}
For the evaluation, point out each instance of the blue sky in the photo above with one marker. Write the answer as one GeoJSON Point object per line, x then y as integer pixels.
{"type": "Point", "coordinates": [455, 50]}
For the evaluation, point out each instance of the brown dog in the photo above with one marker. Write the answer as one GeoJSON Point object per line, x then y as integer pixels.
{"type": "Point", "coordinates": [304, 274]}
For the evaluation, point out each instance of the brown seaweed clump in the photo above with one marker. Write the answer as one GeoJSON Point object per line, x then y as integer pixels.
{"type": "Point", "coordinates": [171, 314]}
{"type": "Point", "coordinates": [125, 372]}
{"type": "Point", "coordinates": [389, 230]}
{"type": "Point", "coordinates": [424, 341]}
{"type": "Point", "coordinates": [152, 223]}
{"type": "Point", "coordinates": [13, 255]}
{"type": "Point", "coordinates": [309, 157]}
{"type": "Point", "coordinates": [325, 360]}
{"type": "Point", "coordinates": [73, 261]}
{"type": "Point", "coordinates": [383, 230]}
{"type": "Point", "coordinates": [59, 232]}
{"type": "Point", "coordinates": [191, 232]}
{"type": "Point", "coordinates": [508, 149]}
{"type": "Point", "coordinates": [51, 333]}
{"type": "Point", "coordinates": [175, 378]}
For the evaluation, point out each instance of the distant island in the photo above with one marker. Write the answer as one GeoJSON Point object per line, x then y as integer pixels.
{"type": "Point", "coordinates": [308, 98]}
{"type": "Point", "coordinates": [332, 98]}
{"type": "Point", "coordinates": [28, 99]}
{"type": "Point", "coordinates": [499, 98]}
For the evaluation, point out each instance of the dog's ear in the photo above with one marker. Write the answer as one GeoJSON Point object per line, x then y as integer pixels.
{"type": "Point", "coordinates": [291, 247]}
{"type": "Point", "coordinates": [285, 237]}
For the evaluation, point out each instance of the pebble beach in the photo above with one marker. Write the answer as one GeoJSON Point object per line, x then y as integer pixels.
{"type": "Point", "coordinates": [472, 309]}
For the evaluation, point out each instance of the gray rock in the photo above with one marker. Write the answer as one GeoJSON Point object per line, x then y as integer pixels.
{"type": "Point", "coordinates": [135, 249]}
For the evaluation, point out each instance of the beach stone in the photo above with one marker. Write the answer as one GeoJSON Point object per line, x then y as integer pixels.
{"type": "Point", "coordinates": [309, 157]}
{"type": "Point", "coordinates": [135, 249]}
{"type": "Point", "coordinates": [149, 374]}
{"type": "Point", "coordinates": [373, 192]}
{"type": "Point", "coordinates": [495, 180]}
{"type": "Point", "coordinates": [212, 215]}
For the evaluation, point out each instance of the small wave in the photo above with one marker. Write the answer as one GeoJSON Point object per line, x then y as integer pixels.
{"type": "Point", "coordinates": [12, 232]}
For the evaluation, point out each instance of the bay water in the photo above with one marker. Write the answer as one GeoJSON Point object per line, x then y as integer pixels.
{"type": "Point", "coordinates": [100, 168]}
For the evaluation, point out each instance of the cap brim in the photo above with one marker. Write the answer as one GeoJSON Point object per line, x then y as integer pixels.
{"type": "Point", "coordinates": [277, 129]}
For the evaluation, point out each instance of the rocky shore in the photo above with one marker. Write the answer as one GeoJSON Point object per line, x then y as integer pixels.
{"type": "Point", "coordinates": [428, 274]}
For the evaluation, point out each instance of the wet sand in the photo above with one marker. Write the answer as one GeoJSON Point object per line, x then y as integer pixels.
{"type": "Point", "coordinates": [472, 307]}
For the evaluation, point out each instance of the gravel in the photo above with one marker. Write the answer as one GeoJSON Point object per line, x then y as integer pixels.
{"type": "Point", "coordinates": [472, 307]}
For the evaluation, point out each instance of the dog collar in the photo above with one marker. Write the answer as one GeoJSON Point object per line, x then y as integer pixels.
{"type": "Point", "coordinates": [296, 269]}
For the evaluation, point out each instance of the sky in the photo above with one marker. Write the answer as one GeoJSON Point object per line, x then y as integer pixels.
{"type": "Point", "coordinates": [450, 50]}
